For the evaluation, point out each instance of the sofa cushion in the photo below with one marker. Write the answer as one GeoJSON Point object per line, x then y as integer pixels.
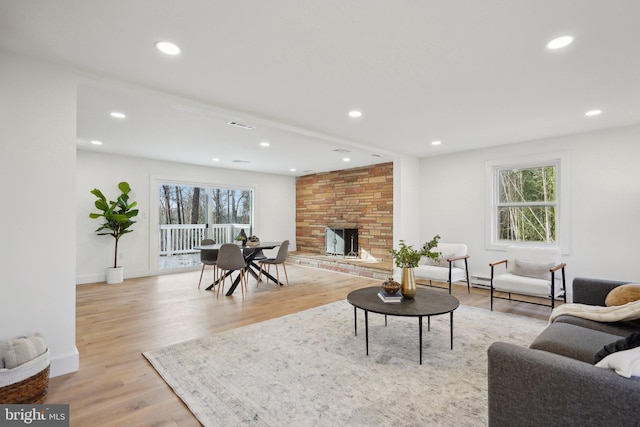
{"type": "Point", "coordinates": [632, 341]}
{"type": "Point", "coordinates": [448, 250]}
{"type": "Point", "coordinates": [533, 255]}
{"type": "Point", "coordinates": [623, 295]}
{"type": "Point", "coordinates": [508, 282]}
{"type": "Point", "coordinates": [621, 329]}
{"type": "Point", "coordinates": [572, 341]}
{"type": "Point", "coordinates": [439, 274]}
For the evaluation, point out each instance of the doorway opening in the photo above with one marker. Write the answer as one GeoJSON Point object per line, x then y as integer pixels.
{"type": "Point", "coordinates": [189, 213]}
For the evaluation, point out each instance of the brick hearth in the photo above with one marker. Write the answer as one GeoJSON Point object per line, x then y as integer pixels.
{"type": "Point", "coordinates": [376, 270]}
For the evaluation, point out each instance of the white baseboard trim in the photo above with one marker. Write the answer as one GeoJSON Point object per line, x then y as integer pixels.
{"type": "Point", "coordinates": [129, 274]}
{"type": "Point", "coordinates": [91, 278]}
{"type": "Point", "coordinates": [65, 364]}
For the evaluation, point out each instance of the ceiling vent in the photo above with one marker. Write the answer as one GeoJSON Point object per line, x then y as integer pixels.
{"type": "Point", "coordinates": [239, 161]}
{"type": "Point", "coordinates": [240, 125]}
{"type": "Point", "coordinates": [341, 150]}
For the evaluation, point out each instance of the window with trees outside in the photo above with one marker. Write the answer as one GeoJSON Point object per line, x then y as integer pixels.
{"type": "Point", "coordinates": [527, 204]}
{"type": "Point", "coordinates": [526, 201]}
{"type": "Point", "coordinates": [188, 214]}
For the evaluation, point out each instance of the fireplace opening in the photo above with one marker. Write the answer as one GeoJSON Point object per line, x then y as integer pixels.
{"type": "Point", "coordinates": [341, 241]}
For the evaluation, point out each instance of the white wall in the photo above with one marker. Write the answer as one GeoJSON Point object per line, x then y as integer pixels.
{"type": "Point", "coordinates": [274, 208]}
{"type": "Point", "coordinates": [37, 168]}
{"type": "Point", "coordinates": [406, 212]}
{"type": "Point", "coordinates": [406, 206]}
{"type": "Point", "coordinates": [604, 194]}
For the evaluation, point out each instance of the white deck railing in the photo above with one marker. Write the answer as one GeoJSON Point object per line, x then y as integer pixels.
{"type": "Point", "coordinates": [182, 238]}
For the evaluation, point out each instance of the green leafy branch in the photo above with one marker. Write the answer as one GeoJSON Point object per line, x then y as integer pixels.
{"type": "Point", "coordinates": [407, 256]}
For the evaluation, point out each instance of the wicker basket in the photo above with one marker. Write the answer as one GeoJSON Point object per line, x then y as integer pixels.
{"type": "Point", "coordinates": [26, 383]}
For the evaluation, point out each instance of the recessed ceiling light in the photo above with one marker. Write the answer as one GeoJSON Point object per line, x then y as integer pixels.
{"type": "Point", "coordinates": [559, 42]}
{"type": "Point", "coordinates": [436, 142]}
{"type": "Point", "coordinates": [95, 142]}
{"type": "Point", "coordinates": [168, 48]}
{"type": "Point", "coordinates": [346, 159]}
{"type": "Point", "coordinates": [292, 170]}
{"type": "Point", "coordinates": [593, 113]}
{"type": "Point", "coordinates": [215, 159]}
{"type": "Point", "coordinates": [264, 144]}
{"type": "Point", "coordinates": [118, 115]}
{"type": "Point", "coordinates": [355, 113]}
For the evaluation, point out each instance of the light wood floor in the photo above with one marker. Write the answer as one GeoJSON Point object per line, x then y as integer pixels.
{"type": "Point", "coordinates": [116, 386]}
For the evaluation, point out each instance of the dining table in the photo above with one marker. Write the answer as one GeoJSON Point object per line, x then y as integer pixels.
{"type": "Point", "coordinates": [251, 253]}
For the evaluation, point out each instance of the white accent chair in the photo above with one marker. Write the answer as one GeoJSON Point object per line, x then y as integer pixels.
{"type": "Point", "coordinates": [451, 267]}
{"type": "Point", "coordinates": [530, 271]}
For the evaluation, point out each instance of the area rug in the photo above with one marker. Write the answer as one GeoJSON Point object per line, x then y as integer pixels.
{"type": "Point", "coordinates": [308, 369]}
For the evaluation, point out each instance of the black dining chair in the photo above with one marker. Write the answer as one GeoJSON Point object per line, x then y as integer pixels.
{"type": "Point", "coordinates": [280, 258]}
{"type": "Point", "coordinates": [230, 258]}
{"type": "Point", "coordinates": [208, 257]}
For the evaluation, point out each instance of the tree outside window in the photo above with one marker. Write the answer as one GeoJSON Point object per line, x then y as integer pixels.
{"type": "Point", "coordinates": [527, 204]}
{"type": "Point", "coordinates": [180, 204]}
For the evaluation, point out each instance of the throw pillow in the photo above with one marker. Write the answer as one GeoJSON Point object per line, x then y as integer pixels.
{"type": "Point", "coordinates": [532, 269]}
{"type": "Point", "coordinates": [626, 363]}
{"type": "Point", "coordinates": [632, 341]}
{"type": "Point", "coordinates": [3, 349]}
{"type": "Point", "coordinates": [440, 262]}
{"type": "Point", "coordinates": [622, 295]}
{"type": "Point", "coordinates": [17, 351]}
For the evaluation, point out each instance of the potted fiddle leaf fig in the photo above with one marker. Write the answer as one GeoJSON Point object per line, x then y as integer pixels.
{"type": "Point", "coordinates": [117, 216]}
{"type": "Point", "coordinates": [407, 258]}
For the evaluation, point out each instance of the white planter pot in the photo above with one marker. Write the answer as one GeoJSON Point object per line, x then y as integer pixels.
{"type": "Point", "coordinates": [115, 275]}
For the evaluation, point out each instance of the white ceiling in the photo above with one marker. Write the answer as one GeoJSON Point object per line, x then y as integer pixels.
{"type": "Point", "coordinates": [469, 73]}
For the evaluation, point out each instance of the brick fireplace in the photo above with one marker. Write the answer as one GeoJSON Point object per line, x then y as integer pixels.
{"type": "Point", "coordinates": [360, 198]}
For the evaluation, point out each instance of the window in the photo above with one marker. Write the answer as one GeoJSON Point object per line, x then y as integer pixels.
{"type": "Point", "coordinates": [526, 201]}
{"type": "Point", "coordinates": [187, 214]}
{"type": "Point", "coordinates": [527, 204]}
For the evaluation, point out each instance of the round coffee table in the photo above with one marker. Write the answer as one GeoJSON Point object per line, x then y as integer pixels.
{"type": "Point", "coordinates": [426, 303]}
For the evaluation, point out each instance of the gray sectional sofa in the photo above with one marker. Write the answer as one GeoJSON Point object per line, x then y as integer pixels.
{"type": "Point", "coordinates": [554, 381]}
